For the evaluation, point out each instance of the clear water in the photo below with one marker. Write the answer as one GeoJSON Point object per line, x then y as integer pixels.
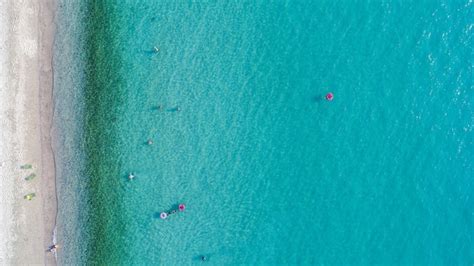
{"type": "Point", "coordinates": [270, 172]}
{"type": "Point", "coordinates": [68, 133]}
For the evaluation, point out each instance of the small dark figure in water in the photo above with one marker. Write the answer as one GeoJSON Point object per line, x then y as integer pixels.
{"type": "Point", "coordinates": [160, 107]}
{"type": "Point", "coordinates": [53, 248]}
{"type": "Point", "coordinates": [178, 109]}
{"type": "Point", "coordinates": [149, 142]}
{"type": "Point", "coordinates": [203, 258]}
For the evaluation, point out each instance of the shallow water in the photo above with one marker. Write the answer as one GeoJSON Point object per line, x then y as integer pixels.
{"type": "Point", "coordinates": [270, 172]}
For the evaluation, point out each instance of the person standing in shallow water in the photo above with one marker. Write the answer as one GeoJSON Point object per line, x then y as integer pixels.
{"type": "Point", "coordinates": [53, 248]}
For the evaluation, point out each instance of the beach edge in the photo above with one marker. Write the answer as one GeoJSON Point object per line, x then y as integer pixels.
{"type": "Point", "coordinates": [46, 31]}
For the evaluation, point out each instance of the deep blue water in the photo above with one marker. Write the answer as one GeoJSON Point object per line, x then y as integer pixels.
{"type": "Point", "coordinates": [271, 173]}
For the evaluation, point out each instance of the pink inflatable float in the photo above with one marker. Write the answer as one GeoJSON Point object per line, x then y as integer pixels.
{"type": "Point", "coordinates": [329, 96]}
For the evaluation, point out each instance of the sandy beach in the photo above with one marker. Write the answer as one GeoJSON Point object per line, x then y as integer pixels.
{"type": "Point", "coordinates": [26, 156]}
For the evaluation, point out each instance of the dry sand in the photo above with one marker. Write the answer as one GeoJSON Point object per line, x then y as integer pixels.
{"type": "Point", "coordinates": [26, 36]}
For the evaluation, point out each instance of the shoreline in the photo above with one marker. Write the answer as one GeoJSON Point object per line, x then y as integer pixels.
{"type": "Point", "coordinates": [27, 30]}
{"type": "Point", "coordinates": [47, 10]}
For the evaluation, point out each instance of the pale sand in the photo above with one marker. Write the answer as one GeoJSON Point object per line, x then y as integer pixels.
{"type": "Point", "coordinates": [26, 36]}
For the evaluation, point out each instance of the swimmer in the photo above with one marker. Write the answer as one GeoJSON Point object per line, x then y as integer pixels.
{"type": "Point", "coordinates": [203, 258]}
{"type": "Point", "coordinates": [149, 142]}
{"type": "Point", "coordinates": [131, 176]}
{"type": "Point", "coordinates": [160, 107]}
{"type": "Point", "coordinates": [178, 109]}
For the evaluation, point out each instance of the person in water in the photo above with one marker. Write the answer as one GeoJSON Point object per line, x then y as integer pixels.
{"type": "Point", "coordinates": [53, 248]}
{"type": "Point", "coordinates": [203, 258]}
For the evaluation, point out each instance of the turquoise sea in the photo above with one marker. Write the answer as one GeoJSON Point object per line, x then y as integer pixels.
{"type": "Point", "coordinates": [271, 173]}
